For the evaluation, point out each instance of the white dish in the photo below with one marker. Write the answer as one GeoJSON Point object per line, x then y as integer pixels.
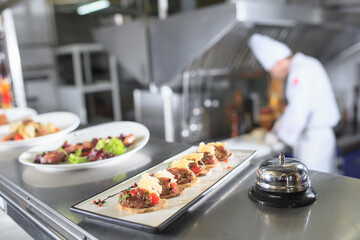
{"type": "Point", "coordinates": [158, 220]}
{"type": "Point", "coordinates": [17, 114]}
{"type": "Point", "coordinates": [66, 121]}
{"type": "Point", "coordinates": [14, 115]}
{"type": "Point", "coordinates": [113, 129]}
{"type": "Point", "coordinates": [53, 179]}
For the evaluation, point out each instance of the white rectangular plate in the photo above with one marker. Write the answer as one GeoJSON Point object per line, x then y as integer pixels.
{"type": "Point", "coordinates": [159, 219]}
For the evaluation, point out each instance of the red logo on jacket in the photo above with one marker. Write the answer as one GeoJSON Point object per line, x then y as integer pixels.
{"type": "Point", "coordinates": [295, 81]}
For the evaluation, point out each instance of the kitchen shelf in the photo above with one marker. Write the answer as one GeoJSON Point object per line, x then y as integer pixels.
{"type": "Point", "coordinates": [97, 87]}
{"type": "Point", "coordinates": [77, 78]}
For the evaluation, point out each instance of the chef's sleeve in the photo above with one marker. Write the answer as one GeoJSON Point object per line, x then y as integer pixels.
{"type": "Point", "coordinates": [297, 112]}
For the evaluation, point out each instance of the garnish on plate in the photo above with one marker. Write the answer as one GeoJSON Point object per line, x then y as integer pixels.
{"type": "Point", "coordinates": [100, 202]}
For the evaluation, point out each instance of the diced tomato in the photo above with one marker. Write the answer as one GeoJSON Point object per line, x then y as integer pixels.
{"type": "Point", "coordinates": [18, 137]}
{"type": "Point", "coordinates": [195, 169]}
{"type": "Point", "coordinates": [164, 180]}
{"type": "Point", "coordinates": [174, 187]}
{"type": "Point", "coordinates": [133, 191]}
{"type": "Point", "coordinates": [154, 198]}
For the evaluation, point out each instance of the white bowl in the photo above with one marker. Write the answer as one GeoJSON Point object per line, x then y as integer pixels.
{"type": "Point", "coordinates": [66, 121]}
{"type": "Point", "coordinates": [112, 129]}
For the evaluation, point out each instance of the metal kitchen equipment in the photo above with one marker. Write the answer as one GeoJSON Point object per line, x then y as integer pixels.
{"type": "Point", "coordinates": [160, 52]}
{"type": "Point", "coordinates": [282, 182]}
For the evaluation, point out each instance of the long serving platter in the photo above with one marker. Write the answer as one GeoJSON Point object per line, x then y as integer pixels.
{"type": "Point", "coordinates": [160, 219]}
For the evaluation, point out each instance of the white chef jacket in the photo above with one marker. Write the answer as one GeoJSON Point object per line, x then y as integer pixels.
{"type": "Point", "coordinates": [311, 113]}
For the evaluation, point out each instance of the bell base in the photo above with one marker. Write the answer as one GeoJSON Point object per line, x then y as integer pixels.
{"type": "Point", "coordinates": [282, 200]}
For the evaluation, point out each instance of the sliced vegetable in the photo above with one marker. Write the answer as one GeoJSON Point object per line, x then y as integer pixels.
{"type": "Point", "coordinates": [174, 187]}
{"type": "Point", "coordinates": [18, 137]}
{"type": "Point", "coordinates": [154, 199]}
{"type": "Point", "coordinates": [195, 169]}
{"type": "Point", "coordinates": [113, 145]}
{"type": "Point", "coordinates": [76, 158]}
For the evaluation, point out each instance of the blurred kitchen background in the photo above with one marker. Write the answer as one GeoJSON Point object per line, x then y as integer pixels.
{"type": "Point", "coordinates": [180, 67]}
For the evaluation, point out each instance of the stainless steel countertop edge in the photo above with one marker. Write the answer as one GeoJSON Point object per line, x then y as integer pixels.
{"type": "Point", "coordinates": [56, 225]}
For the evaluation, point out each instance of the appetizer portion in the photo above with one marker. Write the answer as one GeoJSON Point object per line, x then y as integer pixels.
{"type": "Point", "coordinates": [153, 190]}
{"type": "Point", "coordinates": [28, 129]}
{"type": "Point", "coordinates": [168, 184]}
{"type": "Point", "coordinates": [143, 198]}
{"type": "Point", "coordinates": [183, 175]}
{"type": "Point", "coordinates": [209, 158]}
{"type": "Point", "coordinates": [196, 165]}
{"type": "Point", "coordinates": [89, 151]}
{"type": "Point", "coordinates": [221, 152]}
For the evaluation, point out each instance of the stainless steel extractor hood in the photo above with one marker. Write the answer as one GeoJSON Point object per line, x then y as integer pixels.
{"type": "Point", "coordinates": [313, 30]}
{"type": "Point", "coordinates": [156, 50]}
{"type": "Point", "coordinates": [235, 56]}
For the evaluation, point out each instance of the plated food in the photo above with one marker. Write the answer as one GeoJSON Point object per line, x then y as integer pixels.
{"type": "Point", "coordinates": [29, 128]}
{"type": "Point", "coordinates": [170, 189]}
{"type": "Point", "coordinates": [221, 152]}
{"type": "Point", "coordinates": [152, 191]}
{"type": "Point", "coordinates": [196, 166]}
{"type": "Point", "coordinates": [183, 175]}
{"type": "Point", "coordinates": [157, 220]}
{"type": "Point", "coordinates": [37, 132]}
{"type": "Point", "coordinates": [143, 198]}
{"type": "Point", "coordinates": [209, 158]}
{"type": "Point", "coordinates": [87, 151]}
{"type": "Point", "coordinates": [89, 146]}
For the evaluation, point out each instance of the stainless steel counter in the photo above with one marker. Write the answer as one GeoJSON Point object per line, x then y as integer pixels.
{"type": "Point", "coordinates": [40, 202]}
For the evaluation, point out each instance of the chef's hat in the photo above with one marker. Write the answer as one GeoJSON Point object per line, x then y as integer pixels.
{"type": "Point", "coordinates": [267, 50]}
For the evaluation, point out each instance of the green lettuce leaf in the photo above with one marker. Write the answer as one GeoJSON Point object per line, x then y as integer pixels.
{"type": "Point", "coordinates": [76, 158]}
{"type": "Point", "coordinates": [113, 145]}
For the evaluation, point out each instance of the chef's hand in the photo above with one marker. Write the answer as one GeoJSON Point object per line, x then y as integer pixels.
{"type": "Point", "coordinates": [271, 138]}
{"type": "Point", "coordinates": [277, 124]}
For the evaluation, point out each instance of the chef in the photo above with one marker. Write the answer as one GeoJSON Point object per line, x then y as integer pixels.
{"type": "Point", "coordinates": [311, 112]}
